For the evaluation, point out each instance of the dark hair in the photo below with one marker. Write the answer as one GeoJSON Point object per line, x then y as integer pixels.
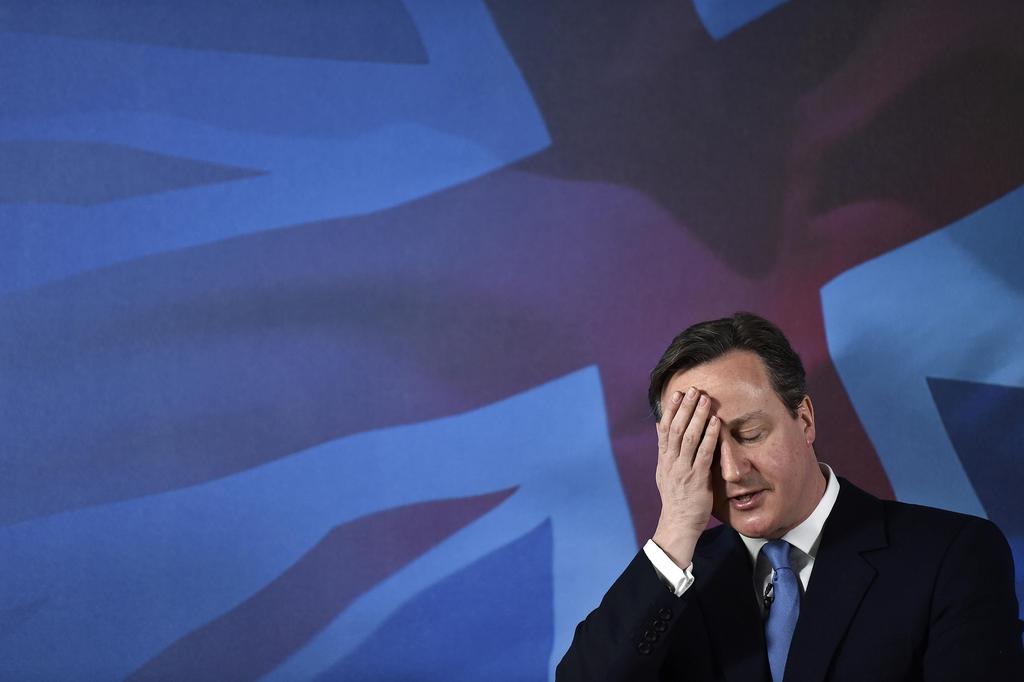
{"type": "Point", "coordinates": [706, 341]}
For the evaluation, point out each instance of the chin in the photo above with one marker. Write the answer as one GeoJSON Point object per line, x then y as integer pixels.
{"type": "Point", "coordinates": [750, 530]}
{"type": "Point", "coordinates": [751, 527]}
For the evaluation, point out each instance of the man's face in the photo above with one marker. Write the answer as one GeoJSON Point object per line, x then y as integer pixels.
{"type": "Point", "coordinates": [763, 451]}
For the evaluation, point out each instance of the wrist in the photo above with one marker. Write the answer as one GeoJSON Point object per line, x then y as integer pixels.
{"type": "Point", "coordinates": [678, 545]}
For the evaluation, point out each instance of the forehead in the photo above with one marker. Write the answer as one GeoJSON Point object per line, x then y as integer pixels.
{"type": "Point", "coordinates": [736, 382]}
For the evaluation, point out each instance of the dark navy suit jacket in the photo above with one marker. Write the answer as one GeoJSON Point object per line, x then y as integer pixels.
{"type": "Point", "coordinates": [898, 592]}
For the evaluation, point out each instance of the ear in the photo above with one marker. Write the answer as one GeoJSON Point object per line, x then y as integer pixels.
{"type": "Point", "coordinates": [805, 415]}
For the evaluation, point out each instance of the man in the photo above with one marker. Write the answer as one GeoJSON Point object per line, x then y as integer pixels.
{"type": "Point", "coordinates": [809, 577]}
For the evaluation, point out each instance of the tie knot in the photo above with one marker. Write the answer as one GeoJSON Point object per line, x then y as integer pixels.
{"type": "Point", "coordinates": [777, 552]}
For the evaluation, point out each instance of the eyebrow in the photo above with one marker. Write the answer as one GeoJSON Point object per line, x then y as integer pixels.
{"type": "Point", "coordinates": [742, 419]}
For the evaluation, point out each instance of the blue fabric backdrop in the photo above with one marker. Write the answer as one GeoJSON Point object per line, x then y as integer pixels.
{"type": "Point", "coordinates": [325, 326]}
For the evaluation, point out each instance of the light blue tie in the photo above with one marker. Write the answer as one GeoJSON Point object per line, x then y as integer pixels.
{"type": "Point", "coordinates": [784, 609]}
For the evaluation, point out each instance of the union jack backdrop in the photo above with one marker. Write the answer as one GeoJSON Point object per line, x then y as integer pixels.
{"type": "Point", "coordinates": [325, 327]}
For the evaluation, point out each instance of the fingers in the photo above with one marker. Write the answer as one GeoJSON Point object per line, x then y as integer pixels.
{"type": "Point", "coordinates": [678, 421]}
{"type": "Point", "coordinates": [706, 451]}
{"type": "Point", "coordinates": [691, 438]}
{"type": "Point", "coordinates": [668, 411]}
{"type": "Point", "coordinates": [683, 428]}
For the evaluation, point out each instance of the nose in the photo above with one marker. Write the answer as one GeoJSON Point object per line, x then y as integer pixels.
{"type": "Point", "coordinates": [732, 461]}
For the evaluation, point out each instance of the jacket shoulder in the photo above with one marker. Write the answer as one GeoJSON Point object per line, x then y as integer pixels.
{"type": "Point", "coordinates": [919, 526]}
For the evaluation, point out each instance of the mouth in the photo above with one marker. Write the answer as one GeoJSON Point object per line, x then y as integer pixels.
{"type": "Point", "coordinates": [747, 501]}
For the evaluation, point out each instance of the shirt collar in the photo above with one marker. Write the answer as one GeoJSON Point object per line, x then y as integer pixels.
{"type": "Point", "coordinates": [807, 535]}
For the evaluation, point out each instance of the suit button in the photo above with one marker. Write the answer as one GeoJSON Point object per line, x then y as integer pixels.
{"type": "Point", "coordinates": [650, 636]}
{"type": "Point", "coordinates": [665, 614]}
{"type": "Point", "coordinates": [659, 625]}
{"type": "Point", "coordinates": [644, 648]}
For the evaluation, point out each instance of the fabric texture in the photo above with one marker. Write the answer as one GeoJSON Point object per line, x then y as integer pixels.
{"type": "Point", "coordinates": [899, 593]}
{"type": "Point", "coordinates": [784, 609]}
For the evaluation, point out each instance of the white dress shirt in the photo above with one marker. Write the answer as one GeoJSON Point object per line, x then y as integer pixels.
{"type": "Point", "coordinates": [804, 538]}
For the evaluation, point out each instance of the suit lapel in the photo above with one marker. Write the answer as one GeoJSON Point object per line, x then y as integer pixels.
{"type": "Point", "coordinates": [838, 581]}
{"type": "Point", "coordinates": [725, 588]}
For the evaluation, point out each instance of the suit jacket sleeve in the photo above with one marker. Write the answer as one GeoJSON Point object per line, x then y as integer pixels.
{"type": "Point", "coordinates": [974, 632]}
{"type": "Point", "coordinates": [628, 636]}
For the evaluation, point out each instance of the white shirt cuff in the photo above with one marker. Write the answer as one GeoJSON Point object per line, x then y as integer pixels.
{"type": "Point", "coordinates": [677, 579]}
